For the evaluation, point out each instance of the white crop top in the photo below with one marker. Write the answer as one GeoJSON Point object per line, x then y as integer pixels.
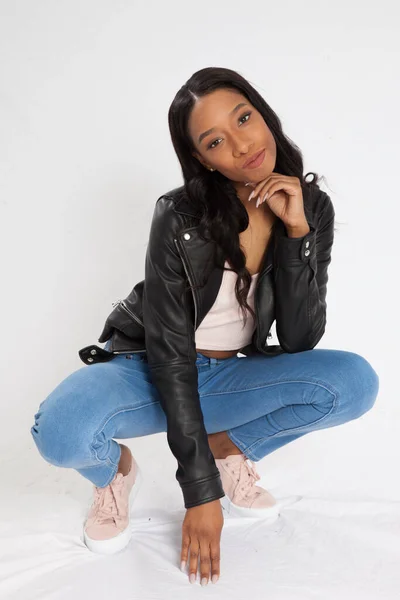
{"type": "Point", "coordinates": [222, 327]}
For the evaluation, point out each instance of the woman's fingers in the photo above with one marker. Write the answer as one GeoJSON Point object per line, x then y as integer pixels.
{"type": "Point", "coordinates": [215, 560]}
{"type": "Point", "coordinates": [205, 559]}
{"type": "Point", "coordinates": [194, 559]}
{"type": "Point", "coordinates": [201, 535]}
{"type": "Point", "coordinates": [185, 550]}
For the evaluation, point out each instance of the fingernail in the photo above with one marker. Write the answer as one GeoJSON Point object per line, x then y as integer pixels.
{"type": "Point", "coordinates": [192, 578]}
{"type": "Point", "coordinates": [214, 578]}
{"type": "Point", "coordinates": [183, 565]}
{"type": "Point", "coordinates": [204, 581]}
{"type": "Point", "coordinates": [258, 202]}
{"type": "Point", "coordinates": [251, 195]}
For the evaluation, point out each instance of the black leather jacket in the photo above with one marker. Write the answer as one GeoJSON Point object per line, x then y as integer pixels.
{"type": "Point", "coordinates": [162, 312]}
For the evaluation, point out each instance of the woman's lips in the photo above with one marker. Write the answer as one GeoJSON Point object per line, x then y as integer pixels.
{"type": "Point", "coordinates": [257, 162]}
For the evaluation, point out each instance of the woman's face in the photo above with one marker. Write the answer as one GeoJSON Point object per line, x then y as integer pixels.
{"type": "Point", "coordinates": [237, 133]}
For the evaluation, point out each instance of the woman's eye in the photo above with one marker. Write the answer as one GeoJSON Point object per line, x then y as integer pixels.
{"type": "Point", "coordinates": [211, 146]}
{"type": "Point", "coordinates": [246, 115]}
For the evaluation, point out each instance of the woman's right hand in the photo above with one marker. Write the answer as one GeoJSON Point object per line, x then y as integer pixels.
{"type": "Point", "coordinates": [201, 534]}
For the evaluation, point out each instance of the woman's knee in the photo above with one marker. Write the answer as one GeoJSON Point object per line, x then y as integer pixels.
{"type": "Point", "coordinates": [61, 433]}
{"type": "Point", "coordinates": [357, 383]}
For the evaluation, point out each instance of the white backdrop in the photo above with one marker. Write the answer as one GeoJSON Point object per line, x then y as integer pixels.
{"type": "Point", "coordinates": [85, 152]}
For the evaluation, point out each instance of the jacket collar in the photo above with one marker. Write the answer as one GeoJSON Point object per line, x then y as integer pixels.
{"type": "Point", "coordinates": [184, 207]}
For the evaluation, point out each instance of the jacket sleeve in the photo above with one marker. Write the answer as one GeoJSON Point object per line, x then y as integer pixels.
{"type": "Point", "coordinates": [171, 355]}
{"type": "Point", "coordinates": [301, 278]}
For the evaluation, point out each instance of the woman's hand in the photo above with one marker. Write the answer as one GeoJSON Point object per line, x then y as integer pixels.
{"type": "Point", "coordinates": [284, 196]}
{"type": "Point", "coordinates": [201, 533]}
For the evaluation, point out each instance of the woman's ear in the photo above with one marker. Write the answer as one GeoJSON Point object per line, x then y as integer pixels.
{"type": "Point", "coordinates": [200, 159]}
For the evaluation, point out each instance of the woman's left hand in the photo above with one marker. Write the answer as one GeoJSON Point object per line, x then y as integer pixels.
{"type": "Point", "coordinates": [284, 196]}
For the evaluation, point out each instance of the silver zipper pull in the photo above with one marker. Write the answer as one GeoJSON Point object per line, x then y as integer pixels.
{"type": "Point", "coordinates": [114, 304]}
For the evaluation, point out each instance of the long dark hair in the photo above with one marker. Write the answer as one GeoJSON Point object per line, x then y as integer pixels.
{"type": "Point", "coordinates": [223, 214]}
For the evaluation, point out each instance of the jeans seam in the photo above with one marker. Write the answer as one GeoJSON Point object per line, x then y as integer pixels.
{"type": "Point", "coordinates": [263, 386]}
{"type": "Point", "coordinates": [254, 445]}
{"type": "Point", "coordinates": [98, 432]}
{"type": "Point", "coordinates": [295, 429]}
{"type": "Point", "coordinates": [240, 445]}
{"type": "Point", "coordinates": [208, 379]}
{"type": "Point", "coordinates": [110, 478]}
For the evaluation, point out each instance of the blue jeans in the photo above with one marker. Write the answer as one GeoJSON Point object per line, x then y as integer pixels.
{"type": "Point", "coordinates": [263, 403]}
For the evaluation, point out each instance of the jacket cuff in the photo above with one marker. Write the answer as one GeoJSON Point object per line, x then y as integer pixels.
{"type": "Point", "coordinates": [301, 249]}
{"type": "Point", "coordinates": [205, 490]}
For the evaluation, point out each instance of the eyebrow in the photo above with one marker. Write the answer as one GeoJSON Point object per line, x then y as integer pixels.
{"type": "Point", "coordinates": [205, 133]}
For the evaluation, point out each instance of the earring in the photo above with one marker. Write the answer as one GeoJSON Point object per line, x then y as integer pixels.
{"type": "Point", "coordinates": [211, 169]}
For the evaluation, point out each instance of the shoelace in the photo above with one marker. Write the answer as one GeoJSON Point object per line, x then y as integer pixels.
{"type": "Point", "coordinates": [107, 503]}
{"type": "Point", "coordinates": [252, 475]}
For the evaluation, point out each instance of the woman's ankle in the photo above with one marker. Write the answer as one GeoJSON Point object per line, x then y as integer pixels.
{"type": "Point", "coordinates": [125, 461]}
{"type": "Point", "coordinates": [221, 445]}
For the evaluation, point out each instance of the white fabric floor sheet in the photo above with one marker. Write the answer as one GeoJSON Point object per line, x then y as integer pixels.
{"type": "Point", "coordinates": [338, 536]}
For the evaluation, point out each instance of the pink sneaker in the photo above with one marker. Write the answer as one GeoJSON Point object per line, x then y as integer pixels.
{"type": "Point", "coordinates": [107, 527]}
{"type": "Point", "coordinates": [242, 497]}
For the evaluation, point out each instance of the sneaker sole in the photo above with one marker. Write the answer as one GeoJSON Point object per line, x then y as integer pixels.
{"type": "Point", "coordinates": [233, 510]}
{"type": "Point", "coordinates": [120, 541]}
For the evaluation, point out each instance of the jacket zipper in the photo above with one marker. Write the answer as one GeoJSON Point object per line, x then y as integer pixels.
{"type": "Point", "coordinates": [131, 314]}
{"type": "Point", "coordinates": [128, 310]}
{"type": "Point", "coordinates": [190, 281]}
{"type": "Point", "coordinates": [268, 269]}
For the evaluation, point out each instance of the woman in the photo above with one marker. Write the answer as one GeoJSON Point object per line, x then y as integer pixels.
{"type": "Point", "coordinates": [246, 241]}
